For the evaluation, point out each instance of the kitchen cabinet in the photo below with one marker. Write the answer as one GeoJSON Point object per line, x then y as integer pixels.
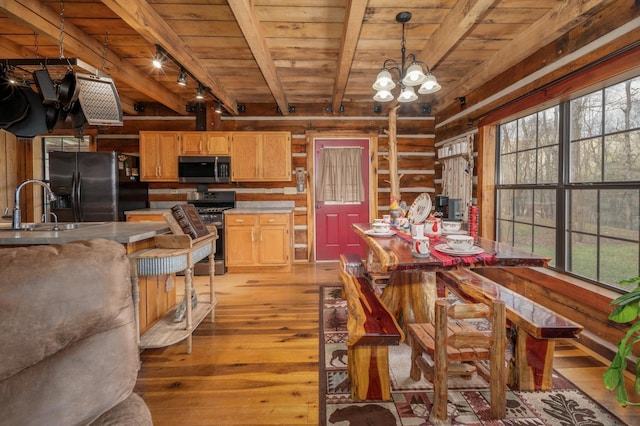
{"type": "Point", "coordinates": [260, 156]}
{"type": "Point", "coordinates": [145, 217]}
{"type": "Point", "coordinates": [258, 240]}
{"type": "Point", "coordinates": [159, 156]}
{"type": "Point", "coordinates": [204, 143]}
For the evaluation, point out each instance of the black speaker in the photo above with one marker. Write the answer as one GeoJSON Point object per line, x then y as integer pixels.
{"type": "Point", "coordinates": [201, 116]}
{"type": "Point", "coordinates": [45, 87]}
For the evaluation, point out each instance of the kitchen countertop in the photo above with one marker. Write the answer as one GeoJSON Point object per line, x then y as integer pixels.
{"type": "Point", "coordinates": [256, 210]}
{"type": "Point", "coordinates": [146, 211]}
{"type": "Point", "coordinates": [121, 232]}
{"type": "Point", "coordinates": [253, 207]}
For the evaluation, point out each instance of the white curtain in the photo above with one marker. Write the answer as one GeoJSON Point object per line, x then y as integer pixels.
{"type": "Point", "coordinates": [457, 173]}
{"type": "Point", "coordinates": [340, 178]}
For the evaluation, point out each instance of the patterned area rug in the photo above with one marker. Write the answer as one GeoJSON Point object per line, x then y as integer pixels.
{"type": "Point", "coordinates": [565, 405]}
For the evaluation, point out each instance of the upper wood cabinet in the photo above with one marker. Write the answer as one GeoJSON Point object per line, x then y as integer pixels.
{"type": "Point", "coordinates": [159, 156]}
{"type": "Point", "coordinates": [260, 156]}
{"type": "Point", "coordinates": [204, 143]}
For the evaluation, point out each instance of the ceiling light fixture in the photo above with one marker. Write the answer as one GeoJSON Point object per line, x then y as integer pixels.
{"type": "Point", "coordinates": [218, 109]}
{"type": "Point", "coordinates": [200, 92]}
{"type": "Point", "coordinates": [410, 74]}
{"type": "Point", "coordinates": [182, 77]}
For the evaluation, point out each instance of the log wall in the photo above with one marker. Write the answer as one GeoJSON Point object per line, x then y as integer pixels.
{"type": "Point", "coordinates": [416, 157]}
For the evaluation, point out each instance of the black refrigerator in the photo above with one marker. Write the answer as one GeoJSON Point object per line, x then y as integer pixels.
{"type": "Point", "coordinates": [85, 185]}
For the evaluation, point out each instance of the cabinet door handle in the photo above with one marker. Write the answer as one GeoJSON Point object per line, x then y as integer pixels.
{"type": "Point", "coordinates": [271, 220]}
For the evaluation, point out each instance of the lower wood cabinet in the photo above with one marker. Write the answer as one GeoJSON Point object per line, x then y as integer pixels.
{"type": "Point", "coordinates": [145, 217]}
{"type": "Point", "coordinates": [258, 240]}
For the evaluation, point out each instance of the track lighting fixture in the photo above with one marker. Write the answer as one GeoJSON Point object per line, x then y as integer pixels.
{"type": "Point", "coordinates": [218, 109]}
{"type": "Point", "coordinates": [182, 77]}
{"type": "Point", "coordinates": [200, 92]}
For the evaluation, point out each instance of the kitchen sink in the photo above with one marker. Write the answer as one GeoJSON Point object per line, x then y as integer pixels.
{"type": "Point", "coordinates": [50, 227]}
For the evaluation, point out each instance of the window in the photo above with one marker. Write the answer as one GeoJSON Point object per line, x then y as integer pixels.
{"type": "Point", "coordinates": [63, 143]}
{"type": "Point", "coordinates": [340, 178]}
{"type": "Point", "coordinates": [568, 184]}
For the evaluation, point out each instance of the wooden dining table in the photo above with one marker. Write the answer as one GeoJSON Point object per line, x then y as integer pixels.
{"type": "Point", "coordinates": [411, 291]}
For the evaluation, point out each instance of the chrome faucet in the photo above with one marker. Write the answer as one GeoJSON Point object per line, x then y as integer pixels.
{"type": "Point", "coordinates": [55, 220]}
{"type": "Point", "coordinates": [50, 196]}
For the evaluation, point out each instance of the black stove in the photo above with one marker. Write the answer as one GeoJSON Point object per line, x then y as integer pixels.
{"type": "Point", "coordinates": [211, 206]}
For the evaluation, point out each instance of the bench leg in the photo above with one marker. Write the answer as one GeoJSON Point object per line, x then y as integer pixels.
{"type": "Point", "coordinates": [368, 370]}
{"type": "Point", "coordinates": [533, 362]}
{"type": "Point", "coordinates": [411, 296]}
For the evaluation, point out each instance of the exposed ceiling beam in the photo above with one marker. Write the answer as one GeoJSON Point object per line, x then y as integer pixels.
{"type": "Point", "coordinates": [559, 20]}
{"type": "Point", "coordinates": [9, 49]}
{"type": "Point", "coordinates": [140, 16]}
{"type": "Point", "coordinates": [252, 30]}
{"type": "Point", "coordinates": [44, 20]}
{"type": "Point", "coordinates": [459, 20]}
{"type": "Point", "coordinates": [350, 34]}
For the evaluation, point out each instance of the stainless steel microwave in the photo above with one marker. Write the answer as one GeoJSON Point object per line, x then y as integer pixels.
{"type": "Point", "coordinates": [204, 169]}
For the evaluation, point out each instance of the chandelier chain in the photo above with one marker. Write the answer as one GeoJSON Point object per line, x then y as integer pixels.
{"type": "Point", "coordinates": [104, 50]}
{"type": "Point", "coordinates": [61, 39]}
{"type": "Point", "coordinates": [35, 44]}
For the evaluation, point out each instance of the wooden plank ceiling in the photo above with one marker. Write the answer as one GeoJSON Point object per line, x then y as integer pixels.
{"type": "Point", "coordinates": [320, 54]}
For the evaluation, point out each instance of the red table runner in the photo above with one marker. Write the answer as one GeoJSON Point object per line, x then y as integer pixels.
{"type": "Point", "coordinates": [484, 258]}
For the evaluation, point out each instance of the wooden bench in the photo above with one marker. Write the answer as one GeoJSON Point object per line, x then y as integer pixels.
{"type": "Point", "coordinates": [536, 327]}
{"type": "Point", "coordinates": [371, 329]}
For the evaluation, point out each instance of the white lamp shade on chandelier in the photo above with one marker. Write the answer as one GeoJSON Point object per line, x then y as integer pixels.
{"type": "Point", "coordinates": [384, 81]}
{"type": "Point", "coordinates": [430, 85]}
{"type": "Point", "coordinates": [407, 94]}
{"type": "Point", "coordinates": [408, 77]}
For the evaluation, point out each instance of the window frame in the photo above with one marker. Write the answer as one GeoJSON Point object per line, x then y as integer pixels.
{"type": "Point", "coordinates": [564, 187]}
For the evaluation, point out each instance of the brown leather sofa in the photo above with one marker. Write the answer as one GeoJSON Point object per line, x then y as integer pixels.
{"type": "Point", "coordinates": [68, 349]}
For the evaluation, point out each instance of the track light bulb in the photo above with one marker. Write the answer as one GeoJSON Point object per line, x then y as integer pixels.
{"type": "Point", "coordinates": [182, 77]}
{"type": "Point", "coordinates": [157, 60]}
{"type": "Point", "coordinates": [200, 92]}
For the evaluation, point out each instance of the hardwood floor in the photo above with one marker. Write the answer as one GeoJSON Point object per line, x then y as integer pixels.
{"type": "Point", "coordinates": [257, 364]}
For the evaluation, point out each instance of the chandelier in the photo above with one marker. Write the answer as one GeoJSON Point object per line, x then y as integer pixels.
{"type": "Point", "coordinates": [410, 74]}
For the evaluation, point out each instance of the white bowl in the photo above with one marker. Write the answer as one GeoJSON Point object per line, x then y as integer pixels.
{"type": "Point", "coordinates": [381, 227]}
{"type": "Point", "coordinates": [451, 226]}
{"type": "Point", "coordinates": [460, 242]}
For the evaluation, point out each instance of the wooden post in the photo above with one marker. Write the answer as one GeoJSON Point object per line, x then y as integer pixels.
{"type": "Point", "coordinates": [392, 158]}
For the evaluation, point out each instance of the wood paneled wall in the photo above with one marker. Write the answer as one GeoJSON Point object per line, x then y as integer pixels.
{"type": "Point", "coordinates": [416, 157]}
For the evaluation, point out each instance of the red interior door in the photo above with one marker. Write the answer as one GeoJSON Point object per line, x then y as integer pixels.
{"type": "Point", "coordinates": [333, 221]}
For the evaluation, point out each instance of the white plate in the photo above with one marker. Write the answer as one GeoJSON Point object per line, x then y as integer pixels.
{"type": "Point", "coordinates": [458, 232]}
{"type": "Point", "coordinates": [379, 234]}
{"type": "Point", "coordinates": [448, 250]}
{"type": "Point", "coordinates": [420, 208]}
